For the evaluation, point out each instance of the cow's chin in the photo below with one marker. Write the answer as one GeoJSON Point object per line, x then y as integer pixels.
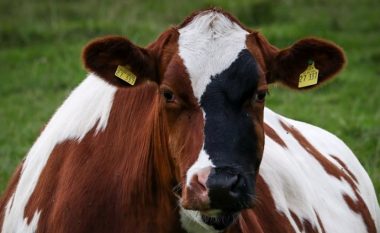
{"type": "Point", "coordinates": [207, 220]}
{"type": "Point", "coordinates": [218, 219]}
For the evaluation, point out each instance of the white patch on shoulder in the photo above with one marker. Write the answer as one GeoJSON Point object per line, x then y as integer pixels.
{"type": "Point", "coordinates": [89, 104]}
{"type": "Point", "coordinates": [300, 184]}
{"type": "Point", "coordinates": [191, 221]}
{"type": "Point", "coordinates": [208, 45]}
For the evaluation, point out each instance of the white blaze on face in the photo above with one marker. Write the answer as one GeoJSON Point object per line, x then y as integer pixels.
{"type": "Point", "coordinates": [89, 105]}
{"type": "Point", "coordinates": [208, 45]}
{"type": "Point", "coordinates": [203, 161]}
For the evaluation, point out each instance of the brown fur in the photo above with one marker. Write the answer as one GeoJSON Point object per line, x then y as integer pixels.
{"type": "Point", "coordinates": [344, 166]}
{"type": "Point", "coordinates": [359, 206]}
{"type": "Point", "coordinates": [329, 167]}
{"type": "Point", "coordinates": [269, 218]}
{"type": "Point", "coordinates": [103, 55]}
{"type": "Point", "coordinates": [305, 225]}
{"type": "Point", "coordinates": [9, 191]}
{"type": "Point", "coordinates": [190, 18]}
{"type": "Point", "coordinates": [291, 62]}
{"type": "Point", "coordinates": [286, 65]}
{"type": "Point", "coordinates": [264, 217]}
{"type": "Point", "coordinates": [125, 178]}
{"type": "Point", "coordinates": [320, 223]}
{"type": "Point", "coordinates": [118, 180]}
{"type": "Point", "coordinates": [273, 135]}
{"type": "Point", "coordinates": [297, 220]}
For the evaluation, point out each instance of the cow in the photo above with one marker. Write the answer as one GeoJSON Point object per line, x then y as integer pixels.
{"type": "Point", "coordinates": [175, 137]}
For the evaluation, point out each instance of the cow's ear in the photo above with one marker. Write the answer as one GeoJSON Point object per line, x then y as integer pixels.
{"type": "Point", "coordinates": [104, 55]}
{"type": "Point", "coordinates": [286, 65]}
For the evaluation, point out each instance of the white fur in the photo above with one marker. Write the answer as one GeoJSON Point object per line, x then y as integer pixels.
{"type": "Point", "coordinates": [203, 161]}
{"type": "Point", "coordinates": [208, 45]}
{"type": "Point", "coordinates": [89, 104]}
{"type": "Point", "coordinates": [191, 221]}
{"type": "Point", "coordinates": [299, 183]}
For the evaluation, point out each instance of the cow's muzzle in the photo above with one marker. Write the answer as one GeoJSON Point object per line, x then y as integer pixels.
{"type": "Point", "coordinates": [223, 192]}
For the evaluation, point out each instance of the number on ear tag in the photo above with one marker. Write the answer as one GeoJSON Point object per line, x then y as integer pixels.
{"type": "Point", "coordinates": [309, 76]}
{"type": "Point", "coordinates": [125, 74]}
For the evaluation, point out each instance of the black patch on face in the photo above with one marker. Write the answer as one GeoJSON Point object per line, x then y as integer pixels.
{"type": "Point", "coordinates": [230, 138]}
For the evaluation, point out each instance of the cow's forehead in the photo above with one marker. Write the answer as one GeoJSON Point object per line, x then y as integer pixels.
{"type": "Point", "coordinates": [208, 45]}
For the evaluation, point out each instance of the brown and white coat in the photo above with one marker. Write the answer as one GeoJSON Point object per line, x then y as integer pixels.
{"type": "Point", "coordinates": [190, 147]}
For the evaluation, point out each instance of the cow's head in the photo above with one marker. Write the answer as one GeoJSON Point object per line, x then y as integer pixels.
{"type": "Point", "coordinates": [212, 74]}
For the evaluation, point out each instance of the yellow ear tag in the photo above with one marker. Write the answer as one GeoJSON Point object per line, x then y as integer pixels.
{"type": "Point", "coordinates": [125, 74]}
{"type": "Point", "coordinates": [309, 76]}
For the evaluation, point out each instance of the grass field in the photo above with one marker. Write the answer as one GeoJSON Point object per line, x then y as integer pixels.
{"type": "Point", "coordinates": [41, 41]}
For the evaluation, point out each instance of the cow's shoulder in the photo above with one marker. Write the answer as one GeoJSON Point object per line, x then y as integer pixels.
{"type": "Point", "coordinates": [315, 179]}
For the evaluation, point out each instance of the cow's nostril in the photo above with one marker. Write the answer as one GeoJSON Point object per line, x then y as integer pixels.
{"type": "Point", "coordinates": [202, 176]}
{"type": "Point", "coordinates": [237, 184]}
{"type": "Point", "coordinates": [231, 183]}
{"type": "Point", "coordinates": [201, 182]}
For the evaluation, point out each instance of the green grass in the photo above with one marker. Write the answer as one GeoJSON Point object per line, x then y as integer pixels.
{"type": "Point", "coordinates": [40, 45]}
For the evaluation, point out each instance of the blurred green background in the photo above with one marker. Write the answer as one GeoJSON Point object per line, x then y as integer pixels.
{"type": "Point", "coordinates": [41, 42]}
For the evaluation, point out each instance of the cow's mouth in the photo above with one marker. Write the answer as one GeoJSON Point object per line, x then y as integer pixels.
{"type": "Point", "coordinates": [219, 220]}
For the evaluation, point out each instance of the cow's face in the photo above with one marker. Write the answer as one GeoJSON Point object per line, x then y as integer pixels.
{"type": "Point", "coordinates": [215, 90]}
{"type": "Point", "coordinates": [214, 87]}
{"type": "Point", "coordinates": [212, 76]}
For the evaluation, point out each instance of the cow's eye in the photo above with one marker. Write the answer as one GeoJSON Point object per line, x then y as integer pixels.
{"type": "Point", "coordinates": [169, 96]}
{"type": "Point", "coordinates": [260, 96]}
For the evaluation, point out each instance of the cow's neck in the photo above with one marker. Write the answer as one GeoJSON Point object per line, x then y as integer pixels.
{"type": "Point", "coordinates": [141, 159]}
{"type": "Point", "coordinates": [117, 176]}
